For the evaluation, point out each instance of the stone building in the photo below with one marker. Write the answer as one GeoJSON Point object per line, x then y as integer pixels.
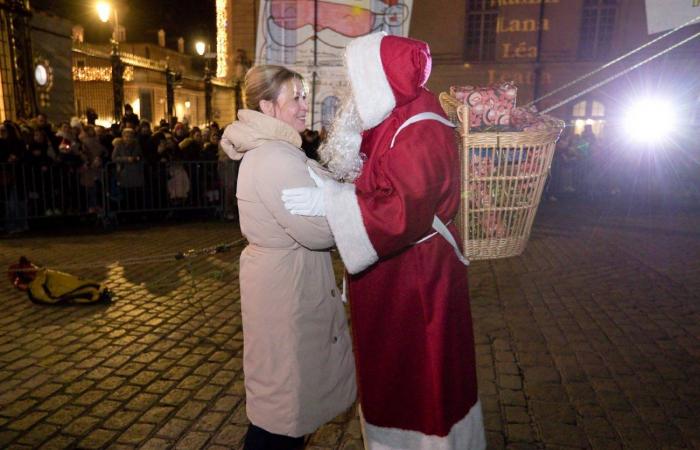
{"type": "Point", "coordinates": [541, 45]}
{"type": "Point", "coordinates": [45, 66]}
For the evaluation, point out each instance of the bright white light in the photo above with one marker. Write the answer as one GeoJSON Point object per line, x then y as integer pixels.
{"type": "Point", "coordinates": [187, 104]}
{"type": "Point", "coordinates": [650, 120]}
{"type": "Point", "coordinates": [200, 47]}
{"type": "Point", "coordinates": [104, 9]}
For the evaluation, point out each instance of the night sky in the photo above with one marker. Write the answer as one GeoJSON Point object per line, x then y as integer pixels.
{"type": "Point", "coordinates": [192, 19]}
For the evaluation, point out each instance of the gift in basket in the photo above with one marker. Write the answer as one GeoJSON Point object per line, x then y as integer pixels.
{"type": "Point", "coordinates": [504, 165]}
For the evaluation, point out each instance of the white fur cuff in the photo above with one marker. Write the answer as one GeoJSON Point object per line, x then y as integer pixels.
{"type": "Point", "coordinates": [345, 219]}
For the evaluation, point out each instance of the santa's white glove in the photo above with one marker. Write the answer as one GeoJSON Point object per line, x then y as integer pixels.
{"type": "Point", "coordinates": [305, 201]}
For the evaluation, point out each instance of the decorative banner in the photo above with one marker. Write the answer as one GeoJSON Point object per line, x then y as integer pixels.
{"type": "Point", "coordinates": [286, 37]}
{"type": "Point", "coordinates": [664, 15]}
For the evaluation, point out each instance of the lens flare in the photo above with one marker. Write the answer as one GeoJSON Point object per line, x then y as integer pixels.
{"type": "Point", "coordinates": [650, 120]}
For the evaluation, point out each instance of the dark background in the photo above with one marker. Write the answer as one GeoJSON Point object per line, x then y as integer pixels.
{"type": "Point", "coordinates": [191, 19]}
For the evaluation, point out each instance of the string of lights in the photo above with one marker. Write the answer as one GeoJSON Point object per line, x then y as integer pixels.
{"type": "Point", "coordinates": [221, 38]}
{"type": "Point", "coordinates": [99, 73]}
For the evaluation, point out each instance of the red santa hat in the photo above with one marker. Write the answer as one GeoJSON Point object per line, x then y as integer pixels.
{"type": "Point", "coordinates": [385, 72]}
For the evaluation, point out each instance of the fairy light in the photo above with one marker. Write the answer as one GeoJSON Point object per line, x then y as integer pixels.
{"type": "Point", "coordinates": [99, 73]}
{"type": "Point", "coordinates": [221, 38]}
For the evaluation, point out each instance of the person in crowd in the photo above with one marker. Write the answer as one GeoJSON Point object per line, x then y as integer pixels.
{"type": "Point", "coordinates": [567, 157]}
{"type": "Point", "coordinates": [38, 167]}
{"type": "Point", "coordinates": [76, 127]}
{"type": "Point", "coordinates": [210, 155]}
{"type": "Point", "coordinates": [310, 140]}
{"type": "Point", "coordinates": [587, 149]}
{"type": "Point", "coordinates": [394, 228]}
{"type": "Point", "coordinates": [149, 150]}
{"type": "Point", "coordinates": [297, 360]}
{"type": "Point", "coordinates": [180, 132]}
{"type": "Point", "coordinates": [93, 157]}
{"type": "Point", "coordinates": [128, 157]}
{"type": "Point", "coordinates": [91, 116]}
{"type": "Point", "coordinates": [227, 169]}
{"type": "Point", "coordinates": [129, 120]}
{"type": "Point", "coordinates": [214, 128]}
{"type": "Point", "coordinates": [105, 137]}
{"type": "Point", "coordinates": [70, 160]}
{"type": "Point", "coordinates": [179, 185]}
{"type": "Point", "coordinates": [12, 149]}
{"type": "Point", "coordinates": [191, 148]}
{"type": "Point", "coordinates": [42, 122]}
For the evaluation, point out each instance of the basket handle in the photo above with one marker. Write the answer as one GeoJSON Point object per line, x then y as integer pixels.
{"type": "Point", "coordinates": [463, 115]}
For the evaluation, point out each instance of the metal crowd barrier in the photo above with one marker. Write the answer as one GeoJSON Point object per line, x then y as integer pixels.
{"type": "Point", "coordinates": [116, 190]}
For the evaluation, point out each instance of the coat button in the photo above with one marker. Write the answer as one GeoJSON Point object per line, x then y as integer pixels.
{"type": "Point", "coordinates": [335, 339]}
{"type": "Point", "coordinates": [332, 292]}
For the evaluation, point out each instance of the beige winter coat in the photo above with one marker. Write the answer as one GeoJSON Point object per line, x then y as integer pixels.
{"type": "Point", "coordinates": [297, 359]}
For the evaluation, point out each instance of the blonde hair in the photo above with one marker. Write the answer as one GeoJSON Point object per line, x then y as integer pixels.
{"type": "Point", "coordinates": [265, 82]}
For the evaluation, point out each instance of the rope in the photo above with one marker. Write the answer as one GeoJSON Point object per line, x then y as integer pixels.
{"type": "Point", "coordinates": [184, 255]}
{"type": "Point", "coordinates": [618, 75]}
{"type": "Point", "coordinates": [614, 61]}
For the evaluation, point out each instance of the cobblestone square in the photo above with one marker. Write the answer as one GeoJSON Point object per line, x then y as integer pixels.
{"type": "Point", "coordinates": [590, 339]}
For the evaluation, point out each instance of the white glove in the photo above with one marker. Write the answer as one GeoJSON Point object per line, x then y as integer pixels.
{"type": "Point", "coordinates": [305, 201]}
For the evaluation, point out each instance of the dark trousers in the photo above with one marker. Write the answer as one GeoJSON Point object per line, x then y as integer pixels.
{"type": "Point", "coordinates": [258, 439]}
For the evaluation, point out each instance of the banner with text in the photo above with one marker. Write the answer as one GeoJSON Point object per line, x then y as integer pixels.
{"type": "Point", "coordinates": [664, 15]}
{"type": "Point", "coordinates": [286, 36]}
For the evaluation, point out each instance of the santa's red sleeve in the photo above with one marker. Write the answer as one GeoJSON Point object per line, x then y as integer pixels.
{"type": "Point", "coordinates": [408, 183]}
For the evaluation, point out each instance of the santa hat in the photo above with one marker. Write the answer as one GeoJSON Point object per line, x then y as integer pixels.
{"type": "Point", "coordinates": [385, 72]}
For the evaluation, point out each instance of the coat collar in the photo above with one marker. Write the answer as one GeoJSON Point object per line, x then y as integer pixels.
{"type": "Point", "coordinates": [256, 127]}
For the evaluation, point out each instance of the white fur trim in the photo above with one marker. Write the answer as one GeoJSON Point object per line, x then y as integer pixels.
{"type": "Point", "coordinates": [467, 434]}
{"type": "Point", "coordinates": [373, 96]}
{"type": "Point", "coordinates": [345, 219]}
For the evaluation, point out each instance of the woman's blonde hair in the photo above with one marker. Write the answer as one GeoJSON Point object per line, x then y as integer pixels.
{"type": "Point", "coordinates": [265, 82]}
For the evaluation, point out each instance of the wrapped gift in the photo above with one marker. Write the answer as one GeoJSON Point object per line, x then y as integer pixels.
{"type": "Point", "coordinates": [489, 106]}
{"type": "Point", "coordinates": [528, 119]}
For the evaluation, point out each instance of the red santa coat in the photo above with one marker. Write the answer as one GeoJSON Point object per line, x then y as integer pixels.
{"type": "Point", "coordinates": [411, 319]}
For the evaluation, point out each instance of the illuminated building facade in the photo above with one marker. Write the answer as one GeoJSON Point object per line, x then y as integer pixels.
{"type": "Point", "coordinates": [545, 44]}
{"type": "Point", "coordinates": [17, 94]}
{"type": "Point", "coordinates": [541, 45]}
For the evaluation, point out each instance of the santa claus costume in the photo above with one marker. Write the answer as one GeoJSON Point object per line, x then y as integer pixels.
{"type": "Point", "coordinates": [408, 289]}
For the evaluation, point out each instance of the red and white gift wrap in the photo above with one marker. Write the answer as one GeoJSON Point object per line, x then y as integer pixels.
{"type": "Point", "coordinates": [409, 302]}
{"type": "Point", "coordinates": [488, 105]}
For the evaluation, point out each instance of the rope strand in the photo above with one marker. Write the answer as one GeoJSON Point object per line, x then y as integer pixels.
{"type": "Point", "coordinates": [614, 61]}
{"type": "Point", "coordinates": [618, 75]}
{"type": "Point", "coordinates": [188, 254]}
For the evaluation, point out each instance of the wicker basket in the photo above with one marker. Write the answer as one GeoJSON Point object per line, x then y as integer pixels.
{"type": "Point", "coordinates": [503, 174]}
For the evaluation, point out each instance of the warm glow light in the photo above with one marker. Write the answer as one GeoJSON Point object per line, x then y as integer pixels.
{"type": "Point", "coordinates": [221, 38]}
{"type": "Point", "coordinates": [104, 122]}
{"type": "Point", "coordinates": [187, 104]}
{"type": "Point", "coordinates": [104, 10]}
{"type": "Point", "coordinates": [136, 106]}
{"type": "Point", "coordinates": [650, 120]}
{"type": "Point", "coordinates": [103, 73]}
{"type": "Point", "coordinates": [200, 47]}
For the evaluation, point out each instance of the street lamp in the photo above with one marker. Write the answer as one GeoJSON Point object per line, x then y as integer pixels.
{"type": "Point", "coordinates": [104, 12]}
{"type": "Point", "coordinates": [201, 49]}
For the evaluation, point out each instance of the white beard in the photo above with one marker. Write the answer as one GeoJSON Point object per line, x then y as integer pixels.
{"type": "Point", "coordinates": [340, 152]}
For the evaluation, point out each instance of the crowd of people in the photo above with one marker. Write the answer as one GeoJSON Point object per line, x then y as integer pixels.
{"type": "Point", "coordinates": [572, 173]}
{"type": "Point", "coordinates": [75, 167]}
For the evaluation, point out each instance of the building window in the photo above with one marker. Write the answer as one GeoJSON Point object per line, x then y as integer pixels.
{"type": "Point", "coordinates": [480, 42]}
{"type": "Point", "coordinates": [588, 113]}
{"type": "Point", "coordinates": [597, 25]}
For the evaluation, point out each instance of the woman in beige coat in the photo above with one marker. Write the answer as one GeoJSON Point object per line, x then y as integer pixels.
{"type": "Point", "coordinates": [297, 359]}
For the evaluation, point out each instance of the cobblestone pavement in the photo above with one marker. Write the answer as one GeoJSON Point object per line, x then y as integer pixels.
{"type": "Point", "coordinates": [590, 339]}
